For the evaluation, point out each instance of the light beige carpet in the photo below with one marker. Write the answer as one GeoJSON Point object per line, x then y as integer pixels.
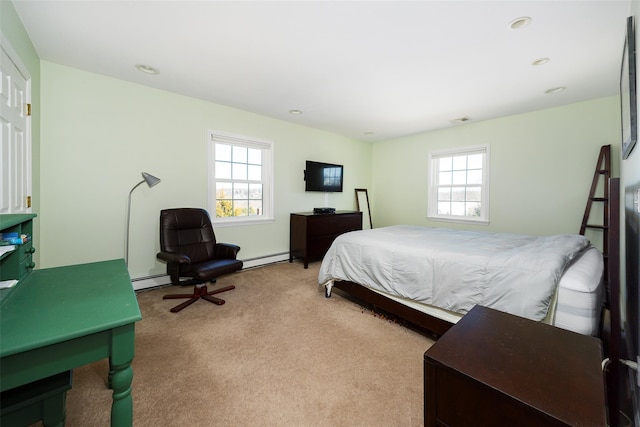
{"type": "Point", "coordinates": [278, 353]}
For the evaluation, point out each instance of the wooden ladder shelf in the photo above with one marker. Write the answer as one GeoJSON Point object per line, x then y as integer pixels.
{"type": "Point", "coordinates": [600, 184]}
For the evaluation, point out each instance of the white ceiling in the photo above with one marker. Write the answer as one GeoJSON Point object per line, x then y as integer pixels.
{"type": "Point", "coordinates": [390, 68]}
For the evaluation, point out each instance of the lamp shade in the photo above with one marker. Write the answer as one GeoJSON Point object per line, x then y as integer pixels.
{"type": "Point", "coordinates": [150, 179]}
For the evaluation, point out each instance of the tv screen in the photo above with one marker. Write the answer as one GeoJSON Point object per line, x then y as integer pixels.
{"type": "Point", "coordinates": [325, 177]}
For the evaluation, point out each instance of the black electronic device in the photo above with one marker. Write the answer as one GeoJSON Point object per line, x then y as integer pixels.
{"type": "Point", "coordinates": [326, 177]}
{"type": "Point", "coordinates": [324, 210]}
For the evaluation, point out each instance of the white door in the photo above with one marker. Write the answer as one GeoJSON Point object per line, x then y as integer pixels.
{"type": "Point", "coordinates": [15, 134]}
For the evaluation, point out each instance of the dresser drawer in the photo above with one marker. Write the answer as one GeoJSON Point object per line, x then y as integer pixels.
{"type": "Point", "coordinates": [25, 266]}
{"type": "Point", "coordinates": [349, 222]}
{"type": "Point", "coordinates": [320, 225]}
{"type": "Point", "coordinates": [25, 251]}
{"type": "Point", "coordinates": [318, 247]}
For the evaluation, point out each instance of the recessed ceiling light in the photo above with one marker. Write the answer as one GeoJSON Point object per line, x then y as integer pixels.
{"type": "Point", "coordinates": [147, 69]}
{"type": "Point", "coordinates": [295, 112]}
{"type": "Point", "coordinates": [555, 90]}
{"type": "Point", "coordinates": [519, 22]}
{"type": "Point", "coordinates": [540, 61]}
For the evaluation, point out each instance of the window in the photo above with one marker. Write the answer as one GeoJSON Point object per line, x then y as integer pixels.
{"type": "Point", "coordinates": [240, 179]}
{"type": "Point", "coordinates": [459, 185]}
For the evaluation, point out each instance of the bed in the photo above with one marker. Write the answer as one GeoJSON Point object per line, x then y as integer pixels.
{"type": "Point", "coordinates": [432, 276]}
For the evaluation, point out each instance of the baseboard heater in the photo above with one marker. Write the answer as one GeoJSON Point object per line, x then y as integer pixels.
{"type": "Point", "coordinates": [148, 282]}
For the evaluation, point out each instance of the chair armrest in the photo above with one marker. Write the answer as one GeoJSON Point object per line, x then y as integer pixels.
{"type": "Point", "coordinates": [173, 258]}
{"type": "Point", "coordinates": [227, 250]}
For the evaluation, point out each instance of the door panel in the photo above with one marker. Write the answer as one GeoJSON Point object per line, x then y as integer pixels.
{"type": "Point", "coordinates": [15, 141]}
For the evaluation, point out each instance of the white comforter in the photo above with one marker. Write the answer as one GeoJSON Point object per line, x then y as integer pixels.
{"type": "Point", "coordinates": [455, 269]}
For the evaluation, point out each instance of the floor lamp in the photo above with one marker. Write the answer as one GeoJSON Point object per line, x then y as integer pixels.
{"type": "Point", "coordinates": [151, 181]}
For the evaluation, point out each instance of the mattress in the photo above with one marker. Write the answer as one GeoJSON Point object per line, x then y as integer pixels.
{"type": "Point", "coordinates": [575, 305]}
{"type": "Point", "coordinates": [580, 295]}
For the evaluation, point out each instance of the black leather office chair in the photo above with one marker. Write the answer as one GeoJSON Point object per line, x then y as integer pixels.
{"type": "Point", "coordinates": [188, 245]}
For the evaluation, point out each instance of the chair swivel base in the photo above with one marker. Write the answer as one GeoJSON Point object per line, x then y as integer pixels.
{"type": "Point", "coordinates": [199, 291]}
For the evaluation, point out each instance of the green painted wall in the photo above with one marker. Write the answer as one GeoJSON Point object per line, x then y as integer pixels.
{"type": "Point", "coordinates": [542, 165]}
{"type": "Point", "coordinates": [99, 134]}
{"type": "Point", "coordinates": [93, 135]}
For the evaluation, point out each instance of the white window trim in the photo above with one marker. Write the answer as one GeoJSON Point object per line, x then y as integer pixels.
{"type": "Point", "coordinates": [234, 139]}
{"type": "Point", "coordinates": [432, 205]}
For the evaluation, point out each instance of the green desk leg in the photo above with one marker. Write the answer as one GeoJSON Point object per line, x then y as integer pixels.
{"type": "Point", "coordinates": [54, 411]}
{"type": "Point", "coordinates": [121, 375]}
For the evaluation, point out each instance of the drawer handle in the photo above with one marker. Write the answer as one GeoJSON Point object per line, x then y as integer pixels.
{"type": "Point", "coordinates": [31, 265]}
{"type": "Point", "coordinates": [31, 250]}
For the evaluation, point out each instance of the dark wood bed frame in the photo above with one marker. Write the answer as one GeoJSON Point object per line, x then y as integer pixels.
{"type": "Point", "coordinates": [438, 326]}
{"type": "Point", "coordinates": [432, 324]}
{"type": "Point", "coordinates": [611, 330]}
{"type": "Point", "coordinates": [611, 335]}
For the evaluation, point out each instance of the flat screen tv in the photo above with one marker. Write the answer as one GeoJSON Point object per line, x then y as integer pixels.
{"type": "Point", "coordinates": [325, 177]}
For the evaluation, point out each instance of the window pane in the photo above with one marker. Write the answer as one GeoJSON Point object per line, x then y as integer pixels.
{"type": "Point", "coordinates": [223, 190]}
{"type": "Point", "coordinates": [239, 171]}
{"type": "Point", "coordinates": [474, 177]}
{"type": "Point", "coordinates": [459, 178]}
{"type": "Point", "coordinates": [474, 194]}
{"type": "Point", "coordinates": [475, 161]}
{"type": "Point", "coordinates": [255, 173]}
{"type": "Point", "coordinates": [240, 207]}
{"type": "Point", "coordinates": [255, 191]}
{"type": "Point", "coordinates": [457, 208]}
{"type": "Point", "coordinates": [457, 194]}
{"type": "Point", "coordinates": [223, 152]}
{"type": "Point", "coordinates": [473, 209]}
{"type": "Point", "coordinates": [444, 208]}
{"type": "Point", "coordinates": [255, 207]}
{"type": "Point", "coordinates": [255, 156]}
{"type": "Point", "coordinates": [240, 191]}
{"type": "Point", "coordinates": [239, 154]}
{"type": "Point", "coordinates": [224, 208]}
{"type": "Point", "coordinates": [223, 170]}
{"type": "Point", "coordinates": [444, 194]}
{"type": "Point", "coordinates": [444, 178]}
{"type": "Point", "coordinates": [459, 163]}
{"type": "Point", "coordinates": [445, 163]}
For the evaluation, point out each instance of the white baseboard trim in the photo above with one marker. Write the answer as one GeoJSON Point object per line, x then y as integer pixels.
{"type": "Point", "coordinates": [164, 280]}
{"type": "Point", "coordinates": [269, 259]}
{"type": "Point", "coordinates": [150, 282]}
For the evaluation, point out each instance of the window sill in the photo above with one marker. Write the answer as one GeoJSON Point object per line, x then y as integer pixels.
{"type": "Point", "coordinates": [241, 222]}
{"type": "Point", "coordinates": [458, 220]}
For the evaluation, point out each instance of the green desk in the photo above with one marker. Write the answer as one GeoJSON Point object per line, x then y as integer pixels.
{"type": "Point", "coordinates": [61, 318]}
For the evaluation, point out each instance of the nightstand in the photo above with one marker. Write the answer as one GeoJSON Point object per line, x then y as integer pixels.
{"type": "Point", "coordinates": [497, 369]}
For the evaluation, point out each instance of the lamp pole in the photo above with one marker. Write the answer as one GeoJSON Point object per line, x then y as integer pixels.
{"type": "Point", "coordinates": [151, 181]}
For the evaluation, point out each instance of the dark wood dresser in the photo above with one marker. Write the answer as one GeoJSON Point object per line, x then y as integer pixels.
{"type": "Point", "coordinates": [497, 369]}
{"type": "Point", "coordinates": [311, 234]}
